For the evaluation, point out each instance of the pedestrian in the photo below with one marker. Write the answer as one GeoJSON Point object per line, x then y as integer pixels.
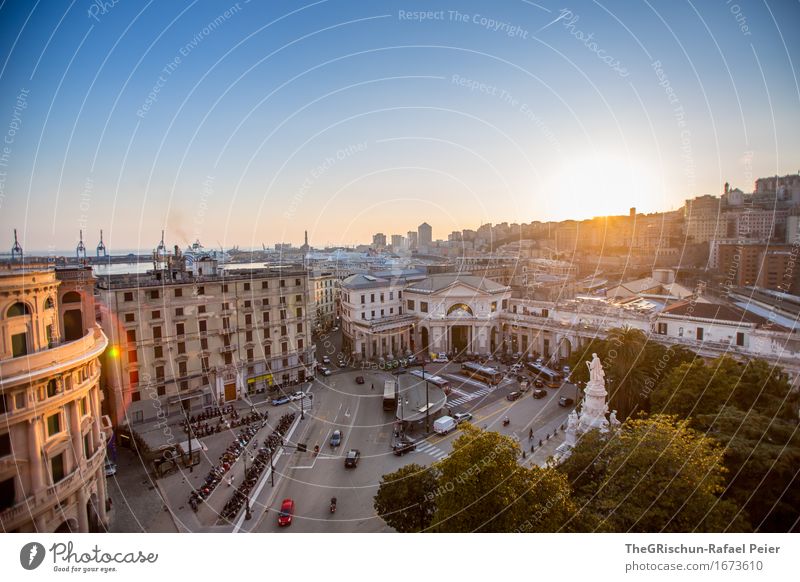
{"type": "Point", "coordinates": [530, 435]}
{"type": "Point", "coordinates": [373, 387]}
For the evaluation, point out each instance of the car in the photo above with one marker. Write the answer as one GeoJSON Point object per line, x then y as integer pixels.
{"type": "Point", "coordinates": [110, 467]}
{"type": "Point", "coordinates": [359, 379]}
{"type": "Point", "coordinates": [281, 400]}
{"type": "Point", "coordinates": [286, 513]}
{"type": "Point", "coordinates": [564, 401]}
{"type": "Point", "coordinates": [412, 358]}
{"type": "Point", "coordinates": [539, 393]}
{"type": "Point", "coordinates": [324, 371]}
{"type": "Point", "coordinates": [515, 368]}
{"type": "Point", "coordinates": [462, 417]}
{"type": "Point", "coordinates": [299, 395]}
{"type": "Point", "coordinates": [326, 360]}
{"type": "Point", "coordinates": [440, 359]}
{"type": "Point", "coordinates": [351, 459]}
{"type": "Point", "coordinates": [513, 395]}
{"type": "Point", "coordinates": [538, 384]}
{"type": "Point", "coordinates": [336, 438]}
{"type": "Point", "coordinates": [404, 446]}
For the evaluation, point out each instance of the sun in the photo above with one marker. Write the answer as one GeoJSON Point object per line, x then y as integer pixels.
{"type": "Point", "coordinates": [601, 185]}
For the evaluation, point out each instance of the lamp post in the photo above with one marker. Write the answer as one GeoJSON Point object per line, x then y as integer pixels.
{"type": "Point", "coordinates": [427, 401]}
{"type": "Point", "coordinates": [247, 514]}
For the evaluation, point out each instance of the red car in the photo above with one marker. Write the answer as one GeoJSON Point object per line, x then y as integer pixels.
{"type": "Point", "coordinates": [287, 511]}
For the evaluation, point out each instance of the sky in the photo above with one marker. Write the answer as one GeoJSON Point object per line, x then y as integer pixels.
{"type": "Point", "coordinates": [242, 123]}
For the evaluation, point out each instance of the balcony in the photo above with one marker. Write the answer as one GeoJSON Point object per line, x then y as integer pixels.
{"type": "Point", "coordinates": [226, 349]}
{"type": "Point", "coordinates": [50, 361]}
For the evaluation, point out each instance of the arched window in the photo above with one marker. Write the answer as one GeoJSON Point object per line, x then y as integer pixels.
{"type": "Point", "coordinates": [71, 297]}
{"type": "Point", "coordinates": [460, 307]}
{"type": "Point", "coordinates": [17, 309]}
{"type": "Point", "coordinates": [48, 303]}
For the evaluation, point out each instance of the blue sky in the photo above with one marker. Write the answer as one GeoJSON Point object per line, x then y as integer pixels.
{"type": "Point", "coordinates": [242, 123]}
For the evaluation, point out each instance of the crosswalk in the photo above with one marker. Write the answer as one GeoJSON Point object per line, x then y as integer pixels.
{"type": "Point", "coordinates": [429, 449]}
{"type": "Point", "coordinates": [467, 397]}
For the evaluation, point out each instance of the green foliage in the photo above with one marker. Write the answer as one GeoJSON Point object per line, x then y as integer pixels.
{"type": "Point", "coordinates": [654, 474]}
{"type": "Point", "coordinates": [405, 498]}
{"type": "Point", "coordinates": [483, 488]}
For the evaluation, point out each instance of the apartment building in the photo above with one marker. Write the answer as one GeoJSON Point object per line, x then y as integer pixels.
{"type": "Point", "coordinates": [182, 341]}
{"type": "Point", "coordinates": [52, 434]}
{"type": "Point", "coordinates": [325, 289]}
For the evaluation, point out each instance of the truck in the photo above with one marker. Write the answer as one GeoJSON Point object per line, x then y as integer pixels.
{"type": "Point", "coordinates": [444, 424]}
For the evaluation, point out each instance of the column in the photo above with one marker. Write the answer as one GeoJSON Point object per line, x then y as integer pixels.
{"type": "Point", "coordinates": [75, 433]}
{"type": "Point", "coordinates": [102, 494]}
{"type": "Point", "coordinates": [35, 455]}
{"type": "Point", "coordinates": [95, 411]}
{"type": "Point", "coordinates": [83, 517]}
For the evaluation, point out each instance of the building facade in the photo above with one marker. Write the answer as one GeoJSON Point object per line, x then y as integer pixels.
{"type": "Point", "coordinates": [52, 434]}
{"type": "Point", "coordinates": [184, 342]}
{"type": "Point", "coordinates": [324, 290]}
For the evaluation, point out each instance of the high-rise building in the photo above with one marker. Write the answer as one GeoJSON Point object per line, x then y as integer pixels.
{"type": "Point", "coordinates": [52, 433]}
{"type": "Point", "coordinates": [412, 240]}
{"type": "Point", "coordinates": [189, 341]}
{"type": "Point", "coordinates": [424, 235]}
{"type": "Point", "coordinates": [398, 242]}
{"type": "Point", "coordinates": [378, 240]}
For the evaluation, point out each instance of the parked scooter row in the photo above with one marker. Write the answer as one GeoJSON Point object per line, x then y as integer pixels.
{"type": "Point", "coordinates": [259, 464]}
{"type": "Point", "coordinates": [234, 421]}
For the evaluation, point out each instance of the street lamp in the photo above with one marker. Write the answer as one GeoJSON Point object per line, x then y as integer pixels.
{"type": "Point", "coordinates": [427, 401]}
{"type": "Point", "coordinates": [247, 514]}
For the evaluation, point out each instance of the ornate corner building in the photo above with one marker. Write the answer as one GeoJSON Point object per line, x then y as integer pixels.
{"type": "Point", "coordinates": [52, 432]}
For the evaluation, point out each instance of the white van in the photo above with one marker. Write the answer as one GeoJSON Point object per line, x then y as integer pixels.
{"type": "Point", "coordinates": [444, 424]}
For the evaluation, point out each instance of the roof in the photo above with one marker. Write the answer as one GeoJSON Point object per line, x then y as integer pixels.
{"type": "Point", "coordinates": [715, 311]}
{"type": "Point", "coordinates": [436, 283]}
{"type": "Point", "coordinates": [362, 281]}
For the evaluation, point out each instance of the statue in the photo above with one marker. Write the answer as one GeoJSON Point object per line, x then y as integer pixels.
{"type": "Point", "coordinates": [596, 373]}
{"type": "Point", "coordinates": [612, 418]}
{"type": "Point", "coordinates": [572, 421]}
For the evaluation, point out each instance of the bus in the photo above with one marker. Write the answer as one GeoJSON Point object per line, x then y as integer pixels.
{"type": "Point", "coordinates": [483, 373]}
{"type": "Point", "coordinates": [545, 375]}
{"type": "Point", "coordinates": [437, 381]}
{"type": "Point", "coordinates": [389, 396]}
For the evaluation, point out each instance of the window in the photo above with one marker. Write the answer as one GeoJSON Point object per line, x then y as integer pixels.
{"type": "Point", "coordinates": [248, 336]}
{"type": "Point", "coordinates": [8, 494]}
{"type": "Point", "coordinates": [267, 349]}
{"type": "Point", "coordinates": [372, 297]}
{"type": "Point", "coordinates": [250, 354]}
{"type": "Point", "coordinates": [131, 335]}
{"type": "Point", "coordinates": [181, 347]}
{"type": "Point", "coordinates": [201, 290]}
{"type": "Point", "coordinates": [157, 332]}
{"type": "Point", "coordinates": [299, 312]}
{"type": "Point", "coordinates": [179, 329]}
{"type": "Point", "coordinates": [154, 294]}
{"type": "Point", "coordinates": [136, 396]}
{"type": "Point", "coordinates": [57, 468]}
{"type": "Point", "coordinates": [283, 330]}
{"type": "Point", "coordinates": [283, 314]}
{"type": "Point", "coordinates": [87, 447]}
{"type": "Point", "coordinates": [159, 372]}
{"type": "Point", "coordinates": [297, 282]}
{"type": "Point", "coordinates": [300, 344]}
{"type": "Point", "coordinates": [423, 306]}
{"type": "Point", "coordinates": [161, 390]}
{"type": "Point", "coordinates": [53, 424]}
{"type": "Point", "coordinates": [5, 445]}
{"type": "Point", "coordinates": [179, 292]}
{"type": "Point", "coordinates": [381, 297]}
{"type": "Point", "coordinates": [130, 317]}
{"type": "Point", "coordinates": [179, 312]}
{"type": "Point", "coordinates": [284, 348]}
{"type": "Point", "coordinates": [265, 284]}
{"type": "Point", "coordinates": [372, 313]}
{"type": "Point", "coordinates": [247, 286]}
{"type": "Point", "coordinates": [391, 295]}
{"type": "Point", "coordinates": [201, 309]}
{"type": "Point", "coordinates": [248, 319]}
{"type": "Point", "coordinates": [494, 306]}
{"type": "Point", "coordinates": [83, 406]}
{"type": "Point", "coordinates": [247, 303]}
{"type": "Point", "coordinates": [700, 333]}
{"type": "Point", "coordinates": [52, 388]}
{"type": "Point", "coordinates": [158, 352]}
{"type": "Point", "coordinates": [203, 325]}
{"type": "Point", "coordinates": [381, 312]}
{"type": "Point", "coordinates": [505, 303]}
{"type": "Point", "coordinates": [299, 328]}
{"type": "Point", "coordinates": [225, 289]}
{"type": "Point", "coordinates": [283, 282]}
{"type": "Point", "coordinates": [133, 357]}
{"type": "Point", "coordinates": [363, 315]}
{"type": "Point", "coordinates": [662, 329]}
{"type": "Point", "coordinates": [204, 343]}
{"type": "Point", "coordinates": [134, 377]}
{"type": "Point", "coordinates": [410, 304]}
{"type": "Point", "coordinates": [128, 296]}
{"type": "Point", "coordinates": [265, 317]}
{"type": "Point", "coordinates": [283, 300]}
{"type": "Point", "coordinates": [155, 315]}
{"type": "Point", "coordinates": [3, 404]}
{"type": "Point", "coordinates": [19, 345]}
{"type": "Point", "coordinates": [739, 338]}
{"type": "Point", "coordinates": [20, 399]}
{"type": "Point", "coordinates": [362, 300]}
{"type": "Point", "coordinates": [181, 369]}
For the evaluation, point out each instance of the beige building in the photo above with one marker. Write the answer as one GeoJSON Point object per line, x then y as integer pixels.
{"type": "Point", "coordinates": [186, 341]}
{"type": "Point", "coordinates": [52, 435]}
{"type": "Point", "coordinates": [324, 284]}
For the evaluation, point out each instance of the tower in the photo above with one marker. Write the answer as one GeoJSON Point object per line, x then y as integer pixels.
{"type": "Point", "coordinates": [161, 249]}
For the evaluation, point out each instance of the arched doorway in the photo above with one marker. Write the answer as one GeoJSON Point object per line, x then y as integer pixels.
{"type": "Point", "coordinates": [423, 332]}
{"type": "Point", "coordinates": [459, 338]}
{"type": "Point", "coordinates": [493, 340]}
{"type": "Point", "coordinates": [73, 318]}
{"type": "Point", "coordinates": [565, 349]}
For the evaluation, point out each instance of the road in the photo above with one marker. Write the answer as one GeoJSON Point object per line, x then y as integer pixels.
{"type": "Point", "coordinates": [356, 409]}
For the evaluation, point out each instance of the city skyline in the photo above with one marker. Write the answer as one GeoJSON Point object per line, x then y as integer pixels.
{"type": "Point", "coordinates": [227, 127]}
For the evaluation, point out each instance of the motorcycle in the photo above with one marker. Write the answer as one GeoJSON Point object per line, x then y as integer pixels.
{"type": "Point", "coordinates": [333, 505]}
{"type": "Point", "coordinates": [506, 421]}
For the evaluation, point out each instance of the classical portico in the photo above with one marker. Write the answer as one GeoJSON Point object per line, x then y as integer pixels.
{"type": "Point", "coordinates": [456, 313]}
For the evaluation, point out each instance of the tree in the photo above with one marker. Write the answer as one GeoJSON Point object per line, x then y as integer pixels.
{"type": "Point", "coordinates": [481, 487]}
{"type": "Point", "coordinates": [650, 475]}
{"type": "Point", "coordinates": [405, 498]}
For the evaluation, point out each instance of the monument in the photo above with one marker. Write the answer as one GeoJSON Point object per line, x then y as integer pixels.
{"type": "Point", "coordinates": [594, 409]}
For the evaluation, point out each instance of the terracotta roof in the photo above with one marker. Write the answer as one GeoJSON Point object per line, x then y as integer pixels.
{"type": "Point", "coordinates": [716, 311]}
